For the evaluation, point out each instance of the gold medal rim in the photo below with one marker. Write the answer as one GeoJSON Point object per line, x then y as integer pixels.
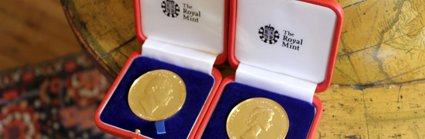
{"type": "Point", "coordinates": [142, 116]}
{"type": "Point", "coordinates": [254, 99]}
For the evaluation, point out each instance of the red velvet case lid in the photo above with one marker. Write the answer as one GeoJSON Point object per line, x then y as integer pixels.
{"type": "Point", "coordinates": [282, 37]}
{"type": "Point", "coordinates": [186, 13]}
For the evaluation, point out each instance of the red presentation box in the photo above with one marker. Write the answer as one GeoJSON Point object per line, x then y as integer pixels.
{"type": "Point", "coordinates": [281, 50]}
{"type": "Point", "coordinates": [187, 37]}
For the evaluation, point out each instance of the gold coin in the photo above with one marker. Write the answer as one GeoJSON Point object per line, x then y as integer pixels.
{"type": "Point", "coordinates": [257, 118]}
{"type": "Point", "coordinates": [157, 95]}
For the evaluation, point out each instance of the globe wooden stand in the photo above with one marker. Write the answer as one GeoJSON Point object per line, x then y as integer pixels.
{"type": "Point", "coordinates": [379, 86]}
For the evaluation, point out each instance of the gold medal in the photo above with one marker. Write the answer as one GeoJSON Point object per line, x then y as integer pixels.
{"type": "Point", "coordinates": [257, 118]}
{"type": "Point", "coordinates": [157, 95]}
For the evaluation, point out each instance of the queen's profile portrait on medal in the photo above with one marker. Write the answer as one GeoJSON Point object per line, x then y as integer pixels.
{"type": "Point", "coordinates": [259, 121]}
{"type": "Point", "coordinates": [257, 118]}
{"type": "Point", "coordinates": [157, 95]}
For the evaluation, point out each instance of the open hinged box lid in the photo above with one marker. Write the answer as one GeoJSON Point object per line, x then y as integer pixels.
{"type": "Point", "coordinates": [186, 36]}
{"type": "Point", "coordinates": [285, 46]}
{"type": "Point", "coordinates": [282, 50]}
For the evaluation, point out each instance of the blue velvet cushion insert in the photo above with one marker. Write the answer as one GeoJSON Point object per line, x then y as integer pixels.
{"type": "Point", "coordinates": [300, 113]}
{"type": "Point", "coordinates": [118, 113]}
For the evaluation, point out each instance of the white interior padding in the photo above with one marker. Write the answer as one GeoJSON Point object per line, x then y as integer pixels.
{"type": "Point", "coordinates": [278, 83]}
{"type": "Point", "coordinates": [205, 35]}
{"type": "Point", "coordinates": [311, 25]}
{"type": "Point", "coordinates": [180, 56]}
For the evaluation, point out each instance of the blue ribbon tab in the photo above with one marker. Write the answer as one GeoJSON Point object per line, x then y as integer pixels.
{"type": "Point", "coordinates": [160, 127]}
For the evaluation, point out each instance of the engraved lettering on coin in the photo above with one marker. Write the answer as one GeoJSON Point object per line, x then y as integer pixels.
{"type": "Point", "coordinates": [157, 95]}
{"type": "Point", "coordinates": [257, 118]}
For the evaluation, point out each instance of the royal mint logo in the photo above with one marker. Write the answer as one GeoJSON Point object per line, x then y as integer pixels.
{"type": "Point", "coordinates": [268, 34]}
{"type": "Point", "coordinates": [170, 8]}
{"type": "Point", "coordinates": [190, 13]}
{"type": "Point", "coordinates": [291, 41]}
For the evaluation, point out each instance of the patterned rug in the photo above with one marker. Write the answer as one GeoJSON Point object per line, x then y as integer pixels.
{"type": "Point", "coordinates": [52, 100]}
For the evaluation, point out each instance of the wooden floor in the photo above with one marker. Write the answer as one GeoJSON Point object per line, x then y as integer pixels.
{"type": "Point", "coordinates": [33, 31]}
